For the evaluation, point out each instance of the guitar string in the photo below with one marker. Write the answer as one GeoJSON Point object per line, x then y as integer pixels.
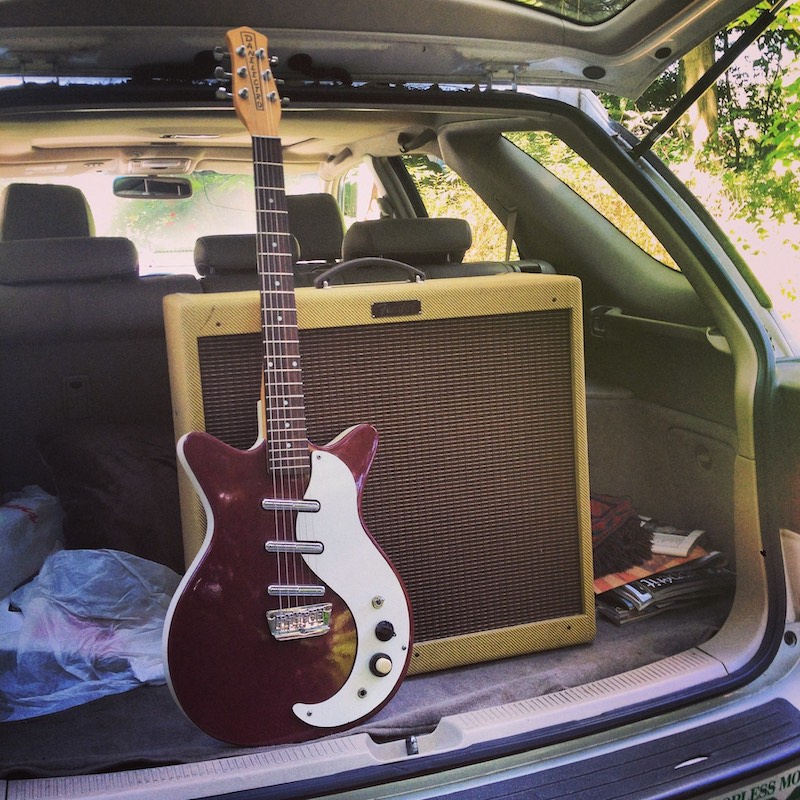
{"type": "Point", "coordinates": [281, 438]}
{"type": "Point", "coordinates": [284, 395]}
{"type": "Point", "coordinates": [271, 355]}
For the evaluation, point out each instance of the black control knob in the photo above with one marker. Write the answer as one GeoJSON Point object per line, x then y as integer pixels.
{"type": "Point", "coordinates": [380, 665]}
{"type": "Point", "coordinates": [384, 630]}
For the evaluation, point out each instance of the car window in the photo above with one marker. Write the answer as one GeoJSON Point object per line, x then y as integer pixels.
{"type": "Point", "coordinates": [443, 194]}
{"type": "Point", "coordinates": [165, 231]}
{"type": "Point", "coordinates": [566, 165]}
{"type": "Point", "coordinates": [360, 193]}
{"type": "Point", "coordinates": [581, 11]}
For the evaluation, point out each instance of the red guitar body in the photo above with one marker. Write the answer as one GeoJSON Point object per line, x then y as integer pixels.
{"type": "Point", "coordinates": [226, 670]}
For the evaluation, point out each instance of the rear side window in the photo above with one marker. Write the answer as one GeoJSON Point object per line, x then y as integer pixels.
{"type": "Point", "coordinates": [445, 194]}
{"type": "Point", "coordinates": [566, 165]}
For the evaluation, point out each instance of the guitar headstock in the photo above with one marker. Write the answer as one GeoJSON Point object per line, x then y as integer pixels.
{"type": "Point", "coordinates": [254, 88]}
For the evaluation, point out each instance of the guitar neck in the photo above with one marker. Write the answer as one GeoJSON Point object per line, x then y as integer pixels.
{"type": "Point", "coordinates": [284, 407]}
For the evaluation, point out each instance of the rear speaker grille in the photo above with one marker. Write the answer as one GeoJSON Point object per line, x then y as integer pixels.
{"type": "Point", "coordinates": [473, 492]}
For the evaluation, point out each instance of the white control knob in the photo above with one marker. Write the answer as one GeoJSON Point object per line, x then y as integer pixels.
{"type": "Point", "coordinates": [380, 664]}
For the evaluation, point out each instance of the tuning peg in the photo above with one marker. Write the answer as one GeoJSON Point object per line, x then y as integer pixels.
{"type": "Point", "coordinates": [220, 53]}
{"type": "Point", "coordinates": [223, 94]}
{"type": "Point", "coordinates": [221, 74]}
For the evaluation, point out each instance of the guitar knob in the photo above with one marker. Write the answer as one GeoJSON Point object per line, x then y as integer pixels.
{"type": "Point", "coordinates": [380, 665]}
{"type": "Point", "coordinates": [384, 630]}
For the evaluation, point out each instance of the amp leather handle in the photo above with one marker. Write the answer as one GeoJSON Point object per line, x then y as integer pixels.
{"type": "Point", "coordinates": [322, 281]}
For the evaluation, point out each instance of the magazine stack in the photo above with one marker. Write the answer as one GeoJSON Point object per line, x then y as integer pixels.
{"type": "Point", "coordinates": [680, 572]}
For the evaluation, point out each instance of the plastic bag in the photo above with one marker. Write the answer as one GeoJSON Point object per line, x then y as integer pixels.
{"type": "Point", "coordinates": [92, 622]}
{"type": "Point", "coordinates": [30, 528]}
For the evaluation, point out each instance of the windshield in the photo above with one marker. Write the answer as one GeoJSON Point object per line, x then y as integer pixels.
{"type": "Point", "coordinates": [165, 231]}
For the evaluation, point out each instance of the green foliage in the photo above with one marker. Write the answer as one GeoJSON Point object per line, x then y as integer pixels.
{"type": "Point", "coordinates": [783, 137]}
{"type": "Point", "coordinates": [172, 227]}
{"type": "Point", "coordinates": [570, 168]}
{"type": "Point", "coordinates": [445, 194]}
{"type": "Point", "coordinates": [756, 149]}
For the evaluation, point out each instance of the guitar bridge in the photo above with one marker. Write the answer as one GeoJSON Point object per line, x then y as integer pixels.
{"type": "Point", "coordinates": [300, 622]}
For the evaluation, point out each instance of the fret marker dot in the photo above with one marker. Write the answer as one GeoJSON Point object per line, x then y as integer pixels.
{"type": "Point", "coordinates": [280, 318]}
{"type": "Point", "coordinates": [270, 364]}
{"type": "Point", "coordinates": [294, 363]}
{"type": "Point", "coordinates": [288, 445]}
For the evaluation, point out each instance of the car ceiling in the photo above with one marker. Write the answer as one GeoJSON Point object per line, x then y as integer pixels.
{"type": "Point", "coordinates": [464, 41]}
{"type": "Point", "coordinates": [147, 140]}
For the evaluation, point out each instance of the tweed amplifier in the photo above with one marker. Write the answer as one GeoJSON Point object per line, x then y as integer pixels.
{"type": "Point", "coordinates": [479, 493]}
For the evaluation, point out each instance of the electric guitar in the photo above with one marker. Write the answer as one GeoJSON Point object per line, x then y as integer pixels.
{"type": "Point", "coordinates": [290, 623]}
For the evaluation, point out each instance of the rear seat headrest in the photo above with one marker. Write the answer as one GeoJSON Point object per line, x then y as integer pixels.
{"type": "Point", "coordinates": [317, 222]}
{"type": "Point", "coordinates": [43, 211]}
{"type": "Point", "coordinates": [229, 253]}
{"type": "Point", "coordinates": [417, 241]}
{"type": "Point", "coordinates": [67, 259]}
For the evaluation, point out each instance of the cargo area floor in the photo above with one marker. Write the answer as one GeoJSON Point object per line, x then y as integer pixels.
{"type": "Point", "coordinates": [144, 728]}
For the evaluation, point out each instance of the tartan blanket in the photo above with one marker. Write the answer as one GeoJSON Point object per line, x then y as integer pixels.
{"type": "Point", "coordinates": [618, 540]}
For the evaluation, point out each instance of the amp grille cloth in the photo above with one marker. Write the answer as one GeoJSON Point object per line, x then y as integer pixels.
{"type": "Point", "coordinates": [473, 492]}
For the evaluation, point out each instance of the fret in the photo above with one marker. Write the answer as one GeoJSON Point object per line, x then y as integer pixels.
{"type": "Point", "coordinates": [285, 399]}
{"type": "Point", "coordinates": [284, 416]}
{"type": "Point", "coordinates": [295, 461]}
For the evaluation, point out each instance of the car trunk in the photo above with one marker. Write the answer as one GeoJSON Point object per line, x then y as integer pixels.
{"type": "Point", "coordinates": [675, 466]}
{"type": "Point", "coordinates": [667, 414]}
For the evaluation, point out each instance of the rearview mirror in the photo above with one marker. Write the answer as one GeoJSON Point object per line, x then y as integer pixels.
{"type": "Point", "coordinates": [140, 187]}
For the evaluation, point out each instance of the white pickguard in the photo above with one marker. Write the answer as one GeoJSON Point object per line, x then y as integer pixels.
{"type": "Point", "coordinates": [358, 573]}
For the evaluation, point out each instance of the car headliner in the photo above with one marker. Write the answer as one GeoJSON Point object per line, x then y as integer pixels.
{"type": "Point", "coordinates": [460, 41]}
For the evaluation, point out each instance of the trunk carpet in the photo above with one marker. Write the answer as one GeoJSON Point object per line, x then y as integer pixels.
{"type": "Point", "coordinates": [144, 728]}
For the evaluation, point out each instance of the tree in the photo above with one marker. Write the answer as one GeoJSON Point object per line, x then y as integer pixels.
{"type": "Point", "coordinates": [702, 118]}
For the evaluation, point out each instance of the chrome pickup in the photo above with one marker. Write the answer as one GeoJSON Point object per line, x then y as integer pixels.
{"type": "Point", "coordinates": [295, 590]}
{"type": "Point", "coordinates": [282, 504]}
{"type": "Point", "coordinates": [280, 546]}
{"type": "Point", "coordinates": [301, 622]}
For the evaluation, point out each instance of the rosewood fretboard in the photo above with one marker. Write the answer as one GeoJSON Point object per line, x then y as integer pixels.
{"type": "Point", "coordinates": [284, 408]}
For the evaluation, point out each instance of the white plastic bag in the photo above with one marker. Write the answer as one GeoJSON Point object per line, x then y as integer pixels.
{"type": "Point", "coordinates": [30, 528]}
{"type": "Point", "coordinates": [91, 625]}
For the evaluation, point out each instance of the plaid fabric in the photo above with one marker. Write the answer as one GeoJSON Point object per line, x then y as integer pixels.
{"type": "Point", "coordinates": [618, 540]}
